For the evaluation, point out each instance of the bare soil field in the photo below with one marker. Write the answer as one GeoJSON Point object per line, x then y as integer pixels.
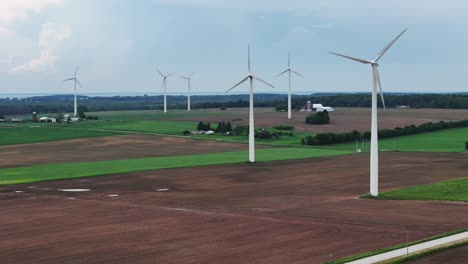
{"type": "Point", "coordinates": [303, 211]}
{"type": "Point", "coordinates": [452, 256]}
{"type": "Point", "coordinates": [342, 120]}
{"type": "Point", "coordinates": [108, 148]}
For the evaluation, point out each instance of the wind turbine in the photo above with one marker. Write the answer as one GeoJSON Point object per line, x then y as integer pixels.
{"type": "Point", "coordinates": [251, 77]}
{"type": "Point", "coordinates": [164, 87]}
{"type": "Point", "coordinates": [374, 152]}
{"type": "Point", "coordinates": [75, 79]}
{"type": "Point", "coordinates": [289, 71]}
{"type": "Point", "coordinates": [188, 88]}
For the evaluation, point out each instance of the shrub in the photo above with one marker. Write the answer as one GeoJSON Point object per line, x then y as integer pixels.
{"type": "Point", "coordinates": [466, 145]}
{"type": "Point", "coordinates": [265, 134]}
{"type": "Point", "coordinates": [240, 130]}
{"type": "Point", "coordinates": [284, 127]}
{"type": "Point", "coordinates": [186, 132]}
{"type": "Point", "coordinates": [281, 107]}
{"type": "Point", "coordinates": [92, 117]}
{"type": "Point", "coordinates": [318, 118]}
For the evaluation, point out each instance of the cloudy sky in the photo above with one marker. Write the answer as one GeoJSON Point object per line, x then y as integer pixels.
{"type": "Point", "coordinates": [118, 44]}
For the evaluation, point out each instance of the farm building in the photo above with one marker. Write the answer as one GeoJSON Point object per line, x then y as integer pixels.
{"type": "Point", "coordinates": [309, 107]}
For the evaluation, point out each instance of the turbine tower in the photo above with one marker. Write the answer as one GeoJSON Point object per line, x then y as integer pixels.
{"type": "Point", "coordinates": [250, 77]}
{"type": "Point", "coordinates": [164, 83]}
{"type": "Point", "coordinates": [188, 89]}
{"type": "Point", "coordinates": [374, 152]}
{"type": "Point", "coordinates": [289, 71]}
{"type": "Point", "coordinates": [75, 79]}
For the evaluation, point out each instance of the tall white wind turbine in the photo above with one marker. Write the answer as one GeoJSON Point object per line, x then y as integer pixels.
{"type": "Point", "coordinates": [164, 86]}
{"type": "Point", "coordinates": [188, 89]}
{"type": "Point", "coordinates": [250, 77]}
{"type": "Point", "coordinates": [289, 71]}
{"type": "Point", "coordinates": [374, 153]}
{"type": "Point", "coordinates": [75, 79]}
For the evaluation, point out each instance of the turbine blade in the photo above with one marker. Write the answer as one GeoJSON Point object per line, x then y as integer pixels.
{"type": "Point", "coordinates": [76, 71]}
{"type": "Point", "coordinates": [351, 58]}
{"type": "Point", "coordinates": [297, 73]}
{"type": "Point", "coordinates": [78, 82]}
{"type": "Point", "coordinates": [258, 79]}
{"type": "Point", "coordinates": [281, 73]}
{"type": "Point", "coordinates": [239, 83]}
{"type": "Point", "coordinates": [389, 45]}
{"type": "Point", "coordinates": [70, 79]}
{"type": "Point", "coordinates": [248, 59]}
{"type": "Point", "coordinates": [183, 77]}
{"type": "Point", "coordinates": [162, 75]}
{"type": "Point", "coordinates": [170, 74]}
{"type": "Point", "coordinates": [377, 75]}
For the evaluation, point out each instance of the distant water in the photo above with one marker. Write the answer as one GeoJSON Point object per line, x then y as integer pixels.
{"type": "Point", "coordinates": [26, 95]}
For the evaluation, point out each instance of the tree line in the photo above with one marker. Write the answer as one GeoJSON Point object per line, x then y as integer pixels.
{"type": "Point", "coordinates": [336, 138]}
{"type": "Point", "coordinates": [64, 103]}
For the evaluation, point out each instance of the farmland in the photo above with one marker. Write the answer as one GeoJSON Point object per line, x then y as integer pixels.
{"type": "Point", "coordinates": [195, 198]}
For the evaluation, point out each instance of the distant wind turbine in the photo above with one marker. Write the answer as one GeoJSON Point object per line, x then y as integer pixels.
{"type": "Point", "coordinates": [289, 71]}
{"type": "Point", "coordinates": [188, 89]}
{"type": "Point", "coordinates": [251, 77]}
{"type": "Point", "coordinates": [374, 155]}
{"type": "Point", "coordinates": [75, 79]}
{"type": "Point", "coordinates": [164, 86]}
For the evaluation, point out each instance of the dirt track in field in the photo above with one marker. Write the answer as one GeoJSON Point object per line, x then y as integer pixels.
{"type": "Point", "coordinates": [452, 256]}
{"type": "Point", "coordinates": [342, 120]}
{"type": "Point", "coordinates": [303, 211]}
{"type": "Point", "coordinates": [108, 148]}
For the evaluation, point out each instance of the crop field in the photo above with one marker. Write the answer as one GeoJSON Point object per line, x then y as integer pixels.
{"type": "Point", "coordinates": [24, 134]}
{"type": "Point", "coordinates": [87, 169]}
{"type": "Point", "coordinates": [109, 148]}
{"type": "Point", "coordinates": [453, 190]}
{"type": "Point", "coordinates": [450, 140]}
{"type": "Point", "coordinates": [306, 210]}
{"type": "Point", "coordinates": [164, 197]}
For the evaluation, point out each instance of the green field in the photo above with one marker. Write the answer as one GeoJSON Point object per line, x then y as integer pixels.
{"type": "Point", "coordinates": [24, 135]}
{"type": "Point", "coordinates": [450, 140]}
{"type": "Point", "coordinates": [453, 190]}
{"type": "Point", "coordinates": [87, 169]}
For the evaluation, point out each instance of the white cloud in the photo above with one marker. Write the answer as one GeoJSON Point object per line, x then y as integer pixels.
{"type": "Point", "coordinates": [13, 10]}
{"type": "Point", "coordinates": [52, 35]}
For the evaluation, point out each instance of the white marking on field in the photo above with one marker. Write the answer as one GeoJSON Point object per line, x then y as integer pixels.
{"type": "Point", "coordinates": [74, 190]}
{"type": "Point", "coordinates": [162, 190]}
{"type": "Point", "coordinates": [19, 191]}
{"type": "Point", "coordinates": [113, 195]}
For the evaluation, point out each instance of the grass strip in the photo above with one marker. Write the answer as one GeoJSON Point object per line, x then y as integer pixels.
{"type": "Point", "coordinates": [30, 174]}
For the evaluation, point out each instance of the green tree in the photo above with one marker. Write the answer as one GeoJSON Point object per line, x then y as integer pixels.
{"type": "Point", "coordinates": [81, 111]}
{"type": "Point", "coordinates": [318, 118]}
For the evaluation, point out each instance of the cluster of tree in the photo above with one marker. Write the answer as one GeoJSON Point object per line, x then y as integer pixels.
{"type": "Point", "coordinates": [223, 127]}
{"type": "Point", "coordinates": [335, 138]}
{"type": "Point", "coordinates": [466, 145]}
{"type": "Point", "coordinates": [2, 116]}
{"type": "Point", "coordinates": [202, 126]}
{"type": "Point", "coordinates": [318, 118]}
{"type": "Point", "coordinates": [284, 127]}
